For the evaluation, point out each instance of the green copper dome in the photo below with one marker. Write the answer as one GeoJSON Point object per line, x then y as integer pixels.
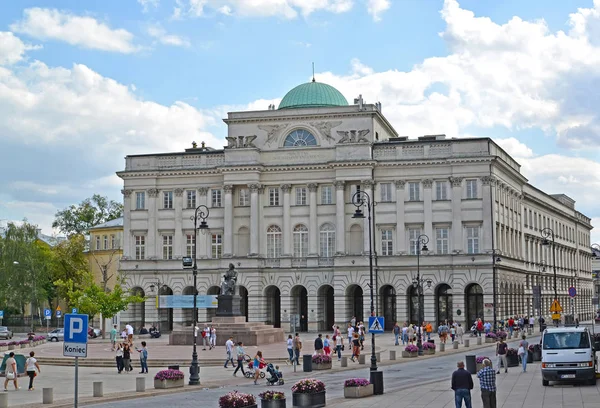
{"type": "Point", "coordinates": [312, 95]}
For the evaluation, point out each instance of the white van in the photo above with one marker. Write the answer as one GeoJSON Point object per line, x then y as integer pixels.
{"type": "Point", "coordinates": [568, 355]}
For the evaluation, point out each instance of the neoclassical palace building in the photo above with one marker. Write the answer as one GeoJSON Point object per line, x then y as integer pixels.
{"type": "Point", "coordinates": [280, 210]}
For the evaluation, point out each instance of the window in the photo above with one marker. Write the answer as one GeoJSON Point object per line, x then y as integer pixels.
{"type": "Point", "coordinates": [191, 198]}
{"type": "Point", "coordinates": [414, 191]}
{"type": "Point", "coordinates": [441, 190]}
{"type": "Point", "coordinates": [441, 240]}
{"type": "Point", "coordinates": [140, 200]}
{"type": "Point", "coordinates": [300, 138]}
{"type": "Point", "coordinates": [327, 195]}
{"type": "Point", "coordinates": [273, 242]}
{"type": "Point", "coordinates": [105, 240]}
{"type": "Point", "coordinates": [190, 244]}
{"type": "Point", "coordinates": [98, 247]}
{"type": "Point", "coordinates": [167, 246]}
{"type": "Point", "coordinates": [140, 247]}
{"type": "Point", "coordinates": [167, 199]}
{"type": "Point", "coordinates": [300, 195]}
{"type": "Point", "coordinates": [217, 196]}
{"type": "Point", "coordinates": [413, 240]}
{"type": "Point", "coordinates": [273, 196]}
{"type": "Point", "coordinates": [300, 241]}
{"type": "Point", "coordinates": [566, 340]}
{"type": "Point", "coordinates": [113, 241]}
{"type": "Point", "coordinates": [472, 240]}
{"type": "Point", "coordinates": [386, 192]}
{"type": "Point", "coordinates": [387, 243]}
{"type": "Point", "coordinates": [216, 245]}
{"type": "Point", "coordinates": [327, 241]}
{"type": "Point", "coordinates": [471, 188]}
{"type": "Point", "coordinates": [244, 197]}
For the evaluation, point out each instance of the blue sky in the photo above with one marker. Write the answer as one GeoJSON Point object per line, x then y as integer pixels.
{"type": "Point", "coordinates": [83, 83]}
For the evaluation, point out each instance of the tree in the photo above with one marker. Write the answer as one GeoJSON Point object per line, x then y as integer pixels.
{"type": "Point", "coordinates": [78, 219]}
{"type": "Point", "coordinates": [69, 266]}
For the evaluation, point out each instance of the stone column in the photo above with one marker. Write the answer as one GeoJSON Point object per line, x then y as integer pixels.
{"type": "Point", "coordinates": [368, 188]}
{"type": "Point", "coordinates": [152, 214]}
{"type": "Point", "coordinates": [127, 224]}
{"type": "Point", "coordinates": [178, 237]}
{"type": "Point", "coordinates": [228, 222]}
{"type": "Point", "coordinates": [287, 220]}
{"type": "Point", "coordinates": [488, 228]}
{"type": "Point", "coordinates": [254, 218]}
{"type": "Point", "coordinates": [428, 211]}
{"type": "Point", "coordinates": [340, 218]}
{"type": "Point", "coordinates": [202, 238]}
{"type": "Point", "coordinates": [313, 238]}
{"type": "Point", "coordinates": [400, 233]}
{"type": "Point", "coordinates": [457, 241]}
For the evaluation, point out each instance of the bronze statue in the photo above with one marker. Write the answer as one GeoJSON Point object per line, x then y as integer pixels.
{"type": "Point", "coordinates": [229, 281]}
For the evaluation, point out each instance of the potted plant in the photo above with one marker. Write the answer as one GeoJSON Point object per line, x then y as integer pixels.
{"type": "Point", "coordinates": [3, 346]}
{"type": "Point", "coordinates": [410, 351]}
{"type": "Point", "coordinates": [428, 348]}
{"type": "Point", "coordinates": [308, 392]}
{"type": "Point", "coordinates": [501, 334]}
{"type": "Point", "coordinates": [11, 345]}
{"type": "Point", "coordinates": [490, 337]}
{"type": "Point", "coordinates": [321, 362]}
{"type": "Point", "coordinates": [23, 343]}
{"type": "Point", "coordinates": [512, 359]}
{"type": "Point", "coordinates": [236, 399]}
{"type": "Point", "coordinates": [479, 362]}
{"type": "Point", "coordinates": [357, 388]}
{"type": "Point", "coordinates": [272, 399]}
{"type": "Point", "coordinates": [169, 379]}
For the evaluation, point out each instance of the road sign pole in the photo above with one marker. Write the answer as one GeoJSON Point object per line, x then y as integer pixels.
{"type": "Point", "coordinates": [76, 380]}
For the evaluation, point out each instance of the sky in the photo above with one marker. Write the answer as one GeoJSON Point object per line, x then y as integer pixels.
{"type": "Point", "coordinates": [83, 84]}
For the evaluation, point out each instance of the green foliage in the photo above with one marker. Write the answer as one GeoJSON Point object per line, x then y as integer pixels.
{"type": "Point", "coordinates": [69, 266]}
{"type": "Point", "coordinates": [78, 219]}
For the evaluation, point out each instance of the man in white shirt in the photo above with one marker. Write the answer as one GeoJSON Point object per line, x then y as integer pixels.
{"type": "Point", "coordinates": [350, 333]}
{"type": "Point", "coordinates": [129, 330]}
{"type": "Point", "coordinates": [229, 348]}
{"type": "Point", "coordinates": [205, 337]}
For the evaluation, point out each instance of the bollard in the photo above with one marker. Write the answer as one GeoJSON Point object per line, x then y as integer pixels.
{"type": "Point", "coordinates": [378, 356]}
{"type": "Point", "coordinates": [47, 395]}
{"type": "Point", "coordinates": [392, 354]}
{"type": "Point", "coordinates": [442, 347]}
{"type": "Point", "coordinates": [98, 389]}
{"type": "Point", "coordinates": [4, 400]}
{"type": "Point", "coordinates": [479, 341]}
{"type": "Point", "coordinates": [466, 342]}
{"type": "Point", "coordinates": [344, 361]}
{"type": "Point", "coordinates": [361, 359]}
{"type": "Point", "coordinates": [140, 384]}
{"type": "Point", "coordinates": [455, 345]}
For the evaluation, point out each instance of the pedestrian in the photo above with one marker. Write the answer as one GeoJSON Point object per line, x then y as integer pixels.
{"type": "Point", "coordinates": [511, 323]}
{"type": "Point", "coordinates": [258, 359]}
{"type": "Point", "coordinates": [339, 346]}
{"type": "Point", "coordinates": [501, 349]}
{"type": "Point", "coordinates": [462, 384]}
{"type": "Point", "coordinates": [127, 358]}
{"type": "Point", "coordinates": [460, 332]}
{"type": "Point", "coordinates": [524, 352]}
{"type": "Point", "coordinates": [396, 333]}
{"type": "Point", "coordinates": [119, 358]}
{"type": "Point", "coordinates": [319, 344]}
{"type": "Point", "coordinates": [355, 346]}
{"type": "Point", "coordinates": [143, 358]}
{"type": "Point", "coordinates": [229, 349]}
{"type": "Point", "coordinates": [410, 332]}
{"type": "Point", "coordinates": [531, 323]}
{"type": "Point", "coordinates": [479, 327]}
{"type": "Point", "coordinates": [30, 366]}
{"type": "Point", "coordinates": [124, 335]}
{"type": "Point", "coordinates": [11, 372]}
{"type": "Point", "coordinates": [213, 337]}
{"type": "Point", "coordinates": [205, 337]}
{"type": "Point", "coordinates": [453, 333]}
{"type": "Point", "coordinates": [297, 348]}
{"type": "Point", "coordinates": [361, 335]}
{"type": "Point", "coordinates": [404, 334]}
{"type": "Point", "coordinates": [350, 333]}
{"type": "Point", "coordinates": [487, 382]}
{"type": "Point", "coordinates": [428, 329]}
{"type": "Point", "coordinates": [353, 321]}
{"type": "Point", "coordinates": [129, 329]}
{"type": "Point", "coordinates": [290, 349]}
{"type": "Point", "coordinates": [241, 354]}
{"type": "Point", "coordinates": [113, 337]}
{"type": "Point", "coordinates": [327, 345]}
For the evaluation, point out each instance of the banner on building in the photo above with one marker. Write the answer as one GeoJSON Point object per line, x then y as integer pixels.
{"type": "Point", "coordinates": [187, 302]}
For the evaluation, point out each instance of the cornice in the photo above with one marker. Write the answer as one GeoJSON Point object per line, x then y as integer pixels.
{"type": "Point", "coordinates": [159, 173]}
{"type": "Point", "coordinates": [301, 117]}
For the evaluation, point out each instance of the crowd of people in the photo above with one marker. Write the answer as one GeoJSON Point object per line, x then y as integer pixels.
{"type": "Point", "coordinates": [124, 348]}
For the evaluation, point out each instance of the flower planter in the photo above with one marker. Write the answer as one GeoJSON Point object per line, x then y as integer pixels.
{"type": "Point", "coordinates": [23, 346]}
{"type": "Point", "coordinates": [512, 361]}
{"type": "Point", "coordinates": [11, 347]}
{"type": "Point", "coordinates": [161, 384]}
{"type": "Point", "coordinates": [490, 340]}
{"type": "Point", "coordinates": [429, 351]}
{"type": "Point", "coordinates": [31, 343]}
{"type": "Point", "coordinates": [315, 400]}
{"type": "Point", "coordinates": [407, 354]}
{"type": "Point", "coordinates": [536, 355]}
{"type": "Point", "coordinates": [274, 403]}
{"type": "Point", "coordinates": [358, 392]}
{"type": "Point", "coordinates": [324, 366]}
{"type": "Point", "coordinates": [529, 357]}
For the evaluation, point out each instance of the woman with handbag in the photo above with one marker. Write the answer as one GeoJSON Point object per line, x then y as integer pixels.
{"type": "Point", "coordinates": [30, 366]}
{"type": "Point", "coordinates": [11, 371]}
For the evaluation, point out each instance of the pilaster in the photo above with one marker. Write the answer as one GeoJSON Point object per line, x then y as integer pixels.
{"type": "Point", "coordinates": [457, 241]}
{"type": "Point", "coordinates": [178, 237]}
{"type": "Point", "coordinates": [400, 228]}
{"type": "Point", "coordinates": [427, 208]}
{"type": "Point", "coordinates": [152, 215]}
{"type": "Point", "coordinates": [127, 224]}
{"type": "Point", "coordinates": [287, 232]}
{"type": "Point", "coordinates": [313, 238]}
{"type": "Point", "coordinates": [340, 218]}
{"type": "Point", "coordinates": [228, 221]}
{"type": "Point", "coordinates": [254, 219]}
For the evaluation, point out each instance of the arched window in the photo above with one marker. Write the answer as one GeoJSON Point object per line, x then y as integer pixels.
{"type": "Point", "coordinates": [413, 305]}
{"type": "Point", "coordinates": [300, 138]}
{"type": "Point", "coordinates": [327, 235]}
{"type": "Point", "coordinates": [273, 242]}
{"type": "Point", "coordinates": [444, 303]}
{"type": "Point", "coordinates": [300, 241]}
{"type": "Point", "coordinates": [474, 303]}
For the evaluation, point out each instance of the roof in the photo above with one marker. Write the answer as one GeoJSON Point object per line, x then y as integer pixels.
{"type": "Point", "coordinates": [116, 223]}
{"type": "Point", "coordinates": [313, 95]}
{"type": "Point", "coordinates": [562, 329]}
{"type": "Point", "coordinates": [48, 239]}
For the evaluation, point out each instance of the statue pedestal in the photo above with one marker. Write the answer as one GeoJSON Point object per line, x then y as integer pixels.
{"type": "Point", "coordinates": [229, 305]}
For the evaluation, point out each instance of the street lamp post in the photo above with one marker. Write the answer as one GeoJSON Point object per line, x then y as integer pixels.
{"type": "Point", "coordinates": [359, 199]}
{"type": "Point", "coordinates": [201, 213]}
{"type": "Point", "coordinates": [541, 269]}
{"type": "Point", "coordinates": [549, 233]}
{"type": "Point", "coordinates": [594, 277]}
{"type": "Point", "coordinates": [158, 288]}
{"type": "Point", "coordinates": [421, 244]}
{"type": "Point", "coordinates": [495, 260]}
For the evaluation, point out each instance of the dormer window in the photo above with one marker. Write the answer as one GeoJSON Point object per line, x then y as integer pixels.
{"type": "Point", "coordinates": [300, 138]}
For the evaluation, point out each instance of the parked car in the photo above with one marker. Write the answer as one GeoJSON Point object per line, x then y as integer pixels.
{"type": "Point", "coordinates": [5, 333]}
{"type": "Point", "coordinates": [56, 335]}
{"type": "Point", "coordinates": [93, 333]}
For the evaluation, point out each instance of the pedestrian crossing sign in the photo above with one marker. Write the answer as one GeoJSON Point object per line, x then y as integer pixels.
{"type": "Point", "coordinates": [376, 324]}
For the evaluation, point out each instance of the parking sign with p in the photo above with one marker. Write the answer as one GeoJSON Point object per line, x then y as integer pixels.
{"type": "Point", "coordinates": [76, 336]}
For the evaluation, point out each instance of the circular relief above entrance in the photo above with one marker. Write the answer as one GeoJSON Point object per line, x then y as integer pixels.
{"type": "Point", "coordinates": [300, 138]}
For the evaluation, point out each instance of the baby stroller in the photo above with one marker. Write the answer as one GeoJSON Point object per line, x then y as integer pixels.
{"type": "Point", "coordinates": [276, 377]}
{"type": "Point", "coordinates": [250, 371]}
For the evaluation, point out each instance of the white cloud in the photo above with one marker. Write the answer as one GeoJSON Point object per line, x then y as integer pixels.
{"type": "Point", "coordinates": [146, 4]}
{"type": "Point", "coordinates": [83, 31]}
{"type": "Point", "coordinates": [158, 32]}
{"type": "Point", "coordinates": [515, 148]}
{"type": "Point", "coordinates": [377, 7]}
{"type": "Point", "coordinates": [12, 49]}
{"type": "Point", "coordinates": [288, 9]}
